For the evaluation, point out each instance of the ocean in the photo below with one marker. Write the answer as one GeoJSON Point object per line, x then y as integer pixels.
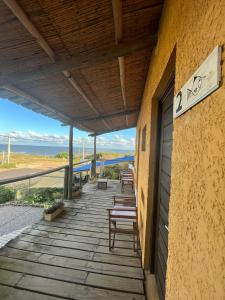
{"type": "Point", "coordinates": [53, 150]}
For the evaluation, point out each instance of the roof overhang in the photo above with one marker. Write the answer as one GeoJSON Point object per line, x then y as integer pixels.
{"type": "Point", "coordinates": [82, 68]}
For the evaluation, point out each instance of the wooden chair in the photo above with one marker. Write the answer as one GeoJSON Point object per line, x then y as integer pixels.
{"type": "Point", "coordinates": [124, 200]}
{"type": "Point", "coordinates": [120, 215]}
{"type": "Point", "coordinates": [127, 181]}
{"type": "Point", "coordinates": [124, 210]}
{"type": "Point", "coordinates": [125, 173]}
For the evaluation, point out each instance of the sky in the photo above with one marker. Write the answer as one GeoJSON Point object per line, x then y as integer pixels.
{"type": "Point", "coordinates": [29, 128]}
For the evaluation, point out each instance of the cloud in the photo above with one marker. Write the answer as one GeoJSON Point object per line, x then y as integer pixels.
{"type": "Point", "coordinates": [112, 141]}
{"type": "Point", "coordinates": [35, 137]}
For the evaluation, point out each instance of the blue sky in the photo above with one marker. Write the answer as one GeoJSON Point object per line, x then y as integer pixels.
{"type": "Point", "coordinates": [27, 127]}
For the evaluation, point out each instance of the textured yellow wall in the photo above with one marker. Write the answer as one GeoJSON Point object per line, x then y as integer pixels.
{"type": "Point", "coordinates": [196, 262]}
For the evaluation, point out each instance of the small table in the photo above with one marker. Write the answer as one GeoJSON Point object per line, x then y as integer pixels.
{"type": "Point", "coordinates": [102, 184]}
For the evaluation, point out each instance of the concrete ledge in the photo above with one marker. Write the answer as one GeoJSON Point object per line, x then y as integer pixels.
{"type": "Point", "coordinates": [150, 286]}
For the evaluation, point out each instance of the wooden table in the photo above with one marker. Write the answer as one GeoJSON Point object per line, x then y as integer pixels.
{"type": "Point", "coordinates": [102, 184]}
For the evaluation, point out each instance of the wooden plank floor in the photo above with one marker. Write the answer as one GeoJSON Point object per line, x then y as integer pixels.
{"type": "Point", "coordinates": [69, 258]}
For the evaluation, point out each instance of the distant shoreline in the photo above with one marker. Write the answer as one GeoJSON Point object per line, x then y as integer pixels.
{"type": "Point", "coordinates": [53, 150]}
{"type": "Point", "coordinates": [40, 161]}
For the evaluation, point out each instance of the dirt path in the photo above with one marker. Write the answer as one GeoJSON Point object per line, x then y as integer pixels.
{"type": "Point", "coordinates": [17, 172]}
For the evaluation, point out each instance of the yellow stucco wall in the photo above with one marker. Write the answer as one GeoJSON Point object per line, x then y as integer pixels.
{"type": "Point", "coordinates": [196, 261]}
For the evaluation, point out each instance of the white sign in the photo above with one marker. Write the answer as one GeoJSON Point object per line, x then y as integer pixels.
{"type": "Point", "coordinates": [202, 83]}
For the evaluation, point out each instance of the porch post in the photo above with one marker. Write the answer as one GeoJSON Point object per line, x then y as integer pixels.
{"type": "Point", "coordinates": [94, 160]}
{"type": "Point", "coordinates": [70, 177]}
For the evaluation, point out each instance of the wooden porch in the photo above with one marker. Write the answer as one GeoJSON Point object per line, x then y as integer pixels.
{"type": "Point", "coordinates": [69, 258]}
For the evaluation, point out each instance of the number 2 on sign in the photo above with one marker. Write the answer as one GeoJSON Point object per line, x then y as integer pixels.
{"type": "Point", "coordinates": [179, 96]}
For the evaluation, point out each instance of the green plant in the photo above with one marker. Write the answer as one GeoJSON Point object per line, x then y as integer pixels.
{"type": "Point", "coordinates": [112, 172]}
{"type": "Point", "coordinates": [63, 155]}
{"type": "Point", "coordinates": [91, 157]}
{"type": "Point", "coordinates": [53, 207]}
{"type": "Point", "coordinates": [6, 194]}
{"type": "Point", "coordinates": [43, 195]}
{"type": "Point", "coordinates": [8, 166]}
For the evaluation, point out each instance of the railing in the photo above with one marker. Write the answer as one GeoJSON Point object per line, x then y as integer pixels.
{"type": "Point", "coordinates": [40, 180]}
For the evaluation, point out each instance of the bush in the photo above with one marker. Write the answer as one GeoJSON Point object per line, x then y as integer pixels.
{"type": "Point", "coordinates": [43, 195]}
{"type": "Point", "coordinates": [6, 194]}
{"type": "Point", "coordinates": [63, 155]}
{"type": "Point", "coordinates": [53, 207]}
{"type": "Point", "coordinates": [91, 157]}
{"type": "Point", "coordinates": [112, 172]}
{"type": "Point", "coordinates": [8, 166]}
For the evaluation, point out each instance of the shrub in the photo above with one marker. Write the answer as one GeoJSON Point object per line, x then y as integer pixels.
{"type": "Point", "coordinates": [112, 172]}
{"type": "Point", "coordinates": [53, 207]}
{"type": "Point", "coordinates": [63, 155]}
{"type": "Point", "coordinates": [91, 157]}
{"type": "Point", "coordinates": [8, 166]}
{"type": "Point", "coordinates": [43, 195]}
{"type": "Point", "coordinates": [6, 194]}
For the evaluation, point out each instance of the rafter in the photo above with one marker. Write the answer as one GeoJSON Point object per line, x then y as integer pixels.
{"type": "Point", "coordinates": [23, 18]}
{"type": "Point", "coordinates": [118, 25]}
{"type": "Point", "coordinates": [112, 115]}
{"type": "Point", "coordinates": [20, 14]}
{"type": "Point", "coordinates": [76, 62]}
{"type": "Point", "coordinates": [46, 108]}
{"type": "Point", "coordinates": [108, 131]}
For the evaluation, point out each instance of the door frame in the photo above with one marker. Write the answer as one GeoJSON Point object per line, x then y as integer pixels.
{"type": "Point", "coordinates": [168, 75]}
{"type": "Point", "coordinates": [156, 201]}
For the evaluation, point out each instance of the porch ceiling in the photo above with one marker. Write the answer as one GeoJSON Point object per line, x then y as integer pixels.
{"type": "Point", "coordinates": [81, 62]}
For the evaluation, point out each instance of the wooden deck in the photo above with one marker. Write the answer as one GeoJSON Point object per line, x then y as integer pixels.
{"type": "Point", "coordinates": [69, 258]}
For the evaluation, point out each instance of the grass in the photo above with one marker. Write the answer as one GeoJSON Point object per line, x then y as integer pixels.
{"type": "Point", "coordinates": [8, 166]}
{"type": "Point", "coordinates": [6, 194]}
{"type": "Point", "coordinates": [113, 172]}
{"type": "Point", "coordinates": [45, 196]}
{"type": "Point", "coordinates": [20, 160]}
{"type": "Point", "coordinates": [41, 196]}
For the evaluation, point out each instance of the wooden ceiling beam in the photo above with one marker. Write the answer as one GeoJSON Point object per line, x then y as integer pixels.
{"type": "Point", "coordinates": [109, 131]}
{"type": "Point", "coordinates": [76, 62]}
{"type": "Point", "coordinates": [23, 18]}
{"type": "Point", "coordinates": [81, 92]}
{"type": "Point", "coordinates": [118, 25]}
{"type": "Point", "coordinates": [112, 115]}
{"type": "Point", "coordinates": [44, 106]}
{"type": "Point", "coordinates": [19, 13]}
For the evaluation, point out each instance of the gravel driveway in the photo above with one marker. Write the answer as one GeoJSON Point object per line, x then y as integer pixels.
{"type": "Point", "coordinates": [16, 217]}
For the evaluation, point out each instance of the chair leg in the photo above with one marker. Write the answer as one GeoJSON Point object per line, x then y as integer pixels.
{"type": "Point", "coordinates": [109, 239]}
{"type": "Point", "coordinates": [109, 233]}
{"type": "Point", "coordinates": [137, 236]}
{"type": "Point", "coordinates": [134, 242]}
{"type": "Point", "coordinates": [114, 236]}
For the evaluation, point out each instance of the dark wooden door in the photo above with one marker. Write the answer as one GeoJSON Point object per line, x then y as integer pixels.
{"type": "Point", "coordinates": [163, 192]}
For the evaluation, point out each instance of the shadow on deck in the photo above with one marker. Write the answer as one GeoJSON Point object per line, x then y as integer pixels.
{"type": "Point", "coordinates": [69, 258]}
